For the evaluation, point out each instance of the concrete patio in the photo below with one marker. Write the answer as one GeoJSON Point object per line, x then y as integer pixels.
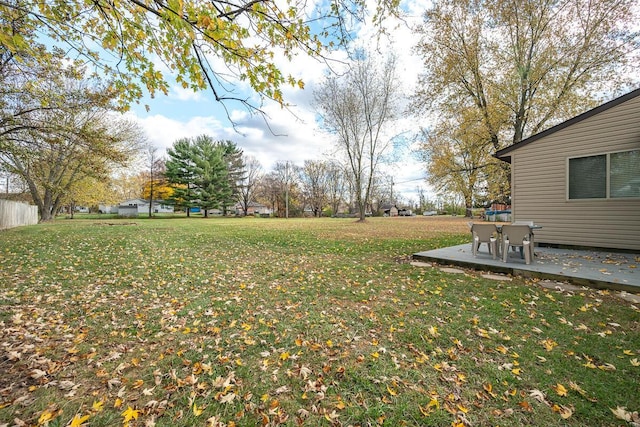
{"type": "Point", "coordinates": [596, 269]}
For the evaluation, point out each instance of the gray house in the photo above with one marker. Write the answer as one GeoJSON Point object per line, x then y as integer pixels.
{"type": "Point", "coordinates": [133, 207]}
{"type": "Point", "coordinates": [580, 179]}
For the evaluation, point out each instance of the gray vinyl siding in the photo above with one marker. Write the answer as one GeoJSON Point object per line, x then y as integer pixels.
{"type": "Point", "coordinates": [539, 183]}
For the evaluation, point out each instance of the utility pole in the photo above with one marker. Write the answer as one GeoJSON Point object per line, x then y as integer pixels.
{"type": "Point", "coordinates": [286, 189]}
{"type": "Point", "coordinates": [392, 203]}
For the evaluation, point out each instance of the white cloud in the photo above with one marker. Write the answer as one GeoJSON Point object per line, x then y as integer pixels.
{"type": "Point", "coordinates": [182, 94]}
{"type": "Point", "coordinates": [293, 134]}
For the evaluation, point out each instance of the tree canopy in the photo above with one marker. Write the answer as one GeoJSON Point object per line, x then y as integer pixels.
{"type": "Point", "coordinates": [57, 128]}
{"type": "Point", "coordinates": [519, 67]}
{"type": "Point", "coordinates": [205, 173]}
{"type": "Point", "coordinates": [204, 44]}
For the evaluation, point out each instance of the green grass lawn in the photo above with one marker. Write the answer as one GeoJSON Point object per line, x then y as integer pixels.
{"type": "Point", "coordinates": [244, 322]}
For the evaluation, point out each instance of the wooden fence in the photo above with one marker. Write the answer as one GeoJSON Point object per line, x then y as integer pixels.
{"type": "Point", "coordinates": [15, 214]}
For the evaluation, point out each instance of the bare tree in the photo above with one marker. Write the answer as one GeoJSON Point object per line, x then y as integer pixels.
{"type": "Point", "coordinates": [268, 191]}
{"type": "Point", "coordinates": [249, 183]}
{"type": "Point", "coordinates": [336, 185]}
{"type": "Point", "coordinates": [356, 108]}
{"type": "Point", "coordinates": [314, 180]}
{"type": "Point", "coordinates": [280, 190]}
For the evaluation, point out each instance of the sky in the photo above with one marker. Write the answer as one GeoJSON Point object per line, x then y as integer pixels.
{"type": "Point", "coordinates": [293, 135]}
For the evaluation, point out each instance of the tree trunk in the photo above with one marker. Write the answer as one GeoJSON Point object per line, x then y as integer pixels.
{"type": "Point", "coordinates": [468, 204]}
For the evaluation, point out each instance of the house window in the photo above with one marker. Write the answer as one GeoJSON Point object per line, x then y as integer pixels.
{"type": "Point", "coordinates": [612, 175]}
{"type": "Point", "coordinates": [588, 177]}
{"type": "Point", "coordinates": [625, 174]}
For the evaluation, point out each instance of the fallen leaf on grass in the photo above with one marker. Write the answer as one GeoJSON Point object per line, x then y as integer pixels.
{"type": "Point", "coordinates": [538, 395]}
{"type": "Point", "coordinates": [130, 414]}
{"type": "Point", "coordinates": [564, 411]}
{"type": "Point", "coordinates": [607, 367]}
{"type": "Point", "coordinates": [621, 413]}
{"type": "Point", "coordinates": [548, 344]}
{"type": "Point", "coordinates": [37, 373]}
{"type": "Point", "coordinates": [78, 421]}
{"type": "Point", "coordinates": [197, 411]}
{"type": "Point", "coordinates": [560, 389]}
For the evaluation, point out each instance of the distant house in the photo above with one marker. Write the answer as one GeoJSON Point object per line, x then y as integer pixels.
{"type": "Point", "coordinates": [107, 209]}
{"type": "Point", "coordinates": [134, 207]}
{"type": "Point", "coordinates": [580, 179]}
{"type": "Point", "coordinates": [254, 208]}
{"type": "Point", "coordinates": [390, 210]}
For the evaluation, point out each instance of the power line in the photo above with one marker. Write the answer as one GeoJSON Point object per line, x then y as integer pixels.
{"type": "Point", "coordinates": [411, 180]}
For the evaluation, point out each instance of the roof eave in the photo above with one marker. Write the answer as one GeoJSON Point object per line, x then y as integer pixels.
{"type": "Point", "coordinates": [504, 153]}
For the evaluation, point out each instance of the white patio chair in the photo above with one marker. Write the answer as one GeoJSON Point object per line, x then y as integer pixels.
{"type": "Point", "coordinates": [484, 233]}
{"type": "Point", "coordinates": [519, 236]}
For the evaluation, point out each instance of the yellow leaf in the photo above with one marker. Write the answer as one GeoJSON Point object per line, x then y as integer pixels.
{"type": "Point", "coordinates": [559, 388]}
{"type": "Point", "coordinates": [97, 406]}
{"type": "Point", "coordinates": [284, 356]}
{"type": "Point", "coordinates": [635, 362]}
{"type": "Point", "coordinates": [564, 411]}
{"type": "Point", "coordinates": [391, 391]}
{"type": "Point", "coordinates": [548, 344]}
{"type": "Point", "coordinates": [482, 333]}
{"type": "Point", "coordinates": [329, 343]}
{"type": "Point", "coordinates": [45, 417]}
{"type": "Point", "coordinates": [117, 403]}
{"type": "Point", "coordinates": [130, 414]}
{"type": "Point", "coordinates": [489, 389]}
{"type": "Point", "coordinates": [197, 411]}
{"type": "Point", "coordinates": [78, 421]}
{"type": "Point", "coordinates": [516, 371]}
{"type": "Point", "coordinates": [425, 411]}
{"type": "Point", "coordinates": [607, 367]}
{"type": "Point", "coordinates": [433, 403]}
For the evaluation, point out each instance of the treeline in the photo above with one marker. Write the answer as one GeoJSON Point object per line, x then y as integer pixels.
{"type": "Point", "coordinates": [208, 174]}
